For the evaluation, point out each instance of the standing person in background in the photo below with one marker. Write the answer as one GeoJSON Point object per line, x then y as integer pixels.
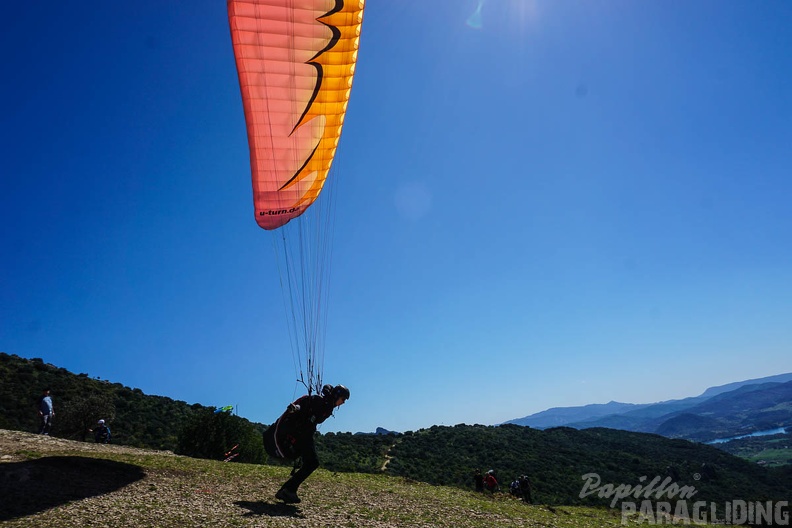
{"type": "Point", "coordinates": [46, 412]}
{"type": "Point", "coordinates": [525, 489]}
{"type": "Point", "coordinates": [478, 480]}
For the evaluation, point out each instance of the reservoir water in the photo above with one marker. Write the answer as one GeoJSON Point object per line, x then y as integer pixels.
{"type": "Point", "coordinates": [777, 430]}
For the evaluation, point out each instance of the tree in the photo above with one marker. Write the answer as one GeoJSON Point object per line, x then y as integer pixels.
{"type": "Point", "coordinates": [211, 435]}
{"type": "Point", "coordinates": [81, 413]}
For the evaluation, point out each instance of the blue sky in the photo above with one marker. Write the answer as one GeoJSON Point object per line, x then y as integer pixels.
{"type": "Point", "coordinates": [573, 203]}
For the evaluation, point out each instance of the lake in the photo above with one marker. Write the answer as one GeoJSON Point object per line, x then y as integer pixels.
{"type": "Point", "coordinates": [777, 430]}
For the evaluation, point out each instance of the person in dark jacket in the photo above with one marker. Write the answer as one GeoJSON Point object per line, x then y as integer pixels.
{"type": "Point", "coordinates": [292, 435]}
{"type": "Point", "coordinates": [525, 489]}
{"type": "Point", "coordinates": [101, 433]}
{"type": "Point", "coordinates": [478, 480]}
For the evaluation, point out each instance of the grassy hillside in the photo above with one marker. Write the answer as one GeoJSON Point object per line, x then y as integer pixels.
{"type": "Point", "coordinates": [772, 450]}
{"type": "Point", "coordinates": [58, 483]}
{"type": "Point", "coordinates": [555, 459]}
{"type": "Point", "coordinates": [136, 419]}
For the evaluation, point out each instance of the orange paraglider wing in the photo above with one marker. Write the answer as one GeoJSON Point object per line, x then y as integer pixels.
{"type": "Point", "coordinates": [296, 60]}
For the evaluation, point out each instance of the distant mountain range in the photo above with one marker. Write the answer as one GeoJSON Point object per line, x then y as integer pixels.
{"type": "Point", "coordinates": [724, 411]}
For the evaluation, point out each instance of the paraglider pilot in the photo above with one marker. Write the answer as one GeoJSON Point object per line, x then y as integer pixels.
{"type": "Point", "coordinates": [292, 435]}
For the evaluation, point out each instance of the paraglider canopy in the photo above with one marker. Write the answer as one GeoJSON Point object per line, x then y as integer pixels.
{"type": "Point", "coordinates": [295, 60]}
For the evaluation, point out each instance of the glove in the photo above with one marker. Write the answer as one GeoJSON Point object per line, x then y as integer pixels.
{"type": "Point", "coordinates": [293, 407]}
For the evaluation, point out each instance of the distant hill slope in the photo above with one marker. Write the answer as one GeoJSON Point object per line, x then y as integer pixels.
{"type": "Point", "coordinates": [558, 416]}
{"type": "Point", "coordinates": [743, 410]}
{"type": "Point", "coordinates": [732, 409]}
{"type": "Point", "coordinates": [714, 391]}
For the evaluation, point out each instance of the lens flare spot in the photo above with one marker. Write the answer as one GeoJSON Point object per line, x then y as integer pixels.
{"type": "Point", "coordinates": [474, 20]}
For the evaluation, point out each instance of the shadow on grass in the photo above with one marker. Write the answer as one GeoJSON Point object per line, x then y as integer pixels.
{"type": "Point", "coordinates": [33, 486]}
{"type": "Point", "coordinates": [277, 509]}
